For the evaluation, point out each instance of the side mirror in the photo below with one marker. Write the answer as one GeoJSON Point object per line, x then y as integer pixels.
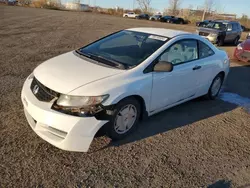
{"type": "Point", "coordinates": [163, 66]}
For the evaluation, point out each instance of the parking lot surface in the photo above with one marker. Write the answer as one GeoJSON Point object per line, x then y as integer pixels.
{"type": "Point", "coordinates": [196, 144]}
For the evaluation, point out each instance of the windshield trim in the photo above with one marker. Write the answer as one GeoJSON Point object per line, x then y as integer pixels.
{"type": "Point", "coordinates": [76, 52]}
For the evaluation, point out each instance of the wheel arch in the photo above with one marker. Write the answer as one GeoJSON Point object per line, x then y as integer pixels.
{"type": "Point", "coordinates": [222, 73]}
{"type": "Point", "coordinates": [140, 99]}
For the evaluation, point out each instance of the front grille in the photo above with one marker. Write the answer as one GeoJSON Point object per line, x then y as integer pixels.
{"type": "Point", "coordinates": [41, 92]}
{"type": "Point", "coordinates": [203, 34]}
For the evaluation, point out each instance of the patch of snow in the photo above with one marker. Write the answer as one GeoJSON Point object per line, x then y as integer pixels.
{"type": "Point", "coordinates": [236, 99]}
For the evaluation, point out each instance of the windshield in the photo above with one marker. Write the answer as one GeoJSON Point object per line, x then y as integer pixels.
{"type": "Point", "coordinates": [124, 48]}
{"type": "Point", "coordinates": [217, 25]}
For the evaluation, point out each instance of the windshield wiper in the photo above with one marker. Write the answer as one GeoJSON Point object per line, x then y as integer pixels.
{"type": "Point", "coordinates": [104, 60]}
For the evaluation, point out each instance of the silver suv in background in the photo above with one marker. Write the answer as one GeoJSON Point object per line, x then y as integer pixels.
{"type": "Point", "coordinates": [221, 31]}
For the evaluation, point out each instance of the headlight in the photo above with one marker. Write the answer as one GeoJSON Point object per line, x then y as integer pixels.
{"type": "Point", "coordinates": [239, 47]}
{"type": "Point", "coordinates": [80, 101]}
{"type": "Point", "coordinates": [213, 34]}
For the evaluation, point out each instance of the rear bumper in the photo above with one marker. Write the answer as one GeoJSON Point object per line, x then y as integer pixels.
{"type": "Point", "coordinates": [242, 55]}
{"type": "Point", "coordinates": [61, 130]}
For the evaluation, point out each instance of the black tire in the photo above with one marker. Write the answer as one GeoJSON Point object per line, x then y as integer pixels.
{"type": "Point", "coordinates": [126, 16]}
{"type": "Point", "coordinates": [220, 41]}
{"type": "Point", "coordinates": [236, 41]}
{"type": "Point", "coordinates": [152, 19]}
{"type": "Point", "coordinates": [110, 127]}
{"type": "Point", "coordinates": [181, 22]}
{"type": "Point", "coordinates": [210, 94]}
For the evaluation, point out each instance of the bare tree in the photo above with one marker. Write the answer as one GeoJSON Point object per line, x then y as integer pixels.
{"type": "Point", "coordinates": [208, 6]}
{"type": "Point", "coordinates": [144, 5]}
{"type": "Point", "coordinates": [174, 6]}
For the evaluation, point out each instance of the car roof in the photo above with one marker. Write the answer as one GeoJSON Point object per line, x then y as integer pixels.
{"type": "Point", "coordinates": [225, 21]}
{"type": "Point", "coordinates": [170, 33]}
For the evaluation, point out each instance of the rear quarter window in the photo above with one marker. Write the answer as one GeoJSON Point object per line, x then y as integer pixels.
{"type": "Point", "coordinates": [204, 50]}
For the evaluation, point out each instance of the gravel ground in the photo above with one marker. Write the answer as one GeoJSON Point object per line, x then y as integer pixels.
{"type": "Point", "coordinates": [197, 144]}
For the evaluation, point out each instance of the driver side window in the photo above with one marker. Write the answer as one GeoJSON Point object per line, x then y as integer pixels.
{"type": "Point", "coordinates": [181, 52]}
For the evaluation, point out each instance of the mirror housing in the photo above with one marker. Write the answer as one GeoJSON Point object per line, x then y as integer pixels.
{"type": "Point", "coordinates": [163, 66]}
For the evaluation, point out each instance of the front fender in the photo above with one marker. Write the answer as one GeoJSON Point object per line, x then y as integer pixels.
{"type": "Point", "coordinates": [141, 87]}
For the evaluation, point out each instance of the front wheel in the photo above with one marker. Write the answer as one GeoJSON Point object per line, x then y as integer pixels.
{"type": "Point", "coordinates": [124, 119]}
{"type": "Point", "coordinates": [215, 87]}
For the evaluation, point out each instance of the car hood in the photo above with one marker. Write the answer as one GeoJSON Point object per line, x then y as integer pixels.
{"type": "Point", "coordinates": [209, 30]}
{"type": "Point", "coordinates": [67, 72]}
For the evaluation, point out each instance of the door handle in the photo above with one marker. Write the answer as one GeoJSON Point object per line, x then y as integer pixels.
{"type": "Point", "coordinates": [197, 67]}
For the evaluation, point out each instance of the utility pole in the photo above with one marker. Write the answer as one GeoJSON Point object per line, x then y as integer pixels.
{"type": "Point", "coordinates": [204, 13]}
{"type": "Point", "coordinates": [133, 4]}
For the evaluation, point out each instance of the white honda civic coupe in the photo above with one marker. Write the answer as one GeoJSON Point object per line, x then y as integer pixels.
{"type": "Point", "coordinates": [117, 81]}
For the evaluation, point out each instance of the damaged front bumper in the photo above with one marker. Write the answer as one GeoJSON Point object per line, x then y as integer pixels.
{"type": "Point", "coordinates": [64, 131]}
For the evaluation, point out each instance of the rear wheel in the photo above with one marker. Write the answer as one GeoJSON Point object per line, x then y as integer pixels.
{"type": "Point", "coordinates": [124, 120]}
{"type": "Point", "coordinates": [215, 87]}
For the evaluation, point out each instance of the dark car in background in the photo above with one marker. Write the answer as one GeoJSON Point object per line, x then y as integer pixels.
{"type": "Point", "coordinates": [155, 17]}
{"type": "Point", "coordinates": [142, 17]}
{"type": "Point", "coordinates": [166, 18]}
{"type": "Point", "coordinates": [178, 21]}
{"type": "Point", "coordinates": [203, 23]}
{"type": "Point", "coordinates": [172, 19]}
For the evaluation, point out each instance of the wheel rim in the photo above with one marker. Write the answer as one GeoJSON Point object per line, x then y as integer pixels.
{"type": "Point", "coordinates": [125, 119]}
{"type": "Point", "coordinates": [216, 86]}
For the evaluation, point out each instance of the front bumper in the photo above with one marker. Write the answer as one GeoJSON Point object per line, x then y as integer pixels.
{"type": "Point", "coordinates": [212, 39]}
{"type": "Point", "coordinates": [61, 130]}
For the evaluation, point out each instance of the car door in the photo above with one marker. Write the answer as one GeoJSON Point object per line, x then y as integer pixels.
{"type": "Point", "coordinates": [208, 64]}
{"type": "Point", "coordinates": [180, 84]}
{"type": "Point", "coordinates": [236, 30]}
{"type": "Point", "coordinates": [229, 33]}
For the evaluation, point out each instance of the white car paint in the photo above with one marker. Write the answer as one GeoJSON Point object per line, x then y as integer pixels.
{"type": "Point", "coordinates": [69, 74]}
{"type": "Point", "coordinates": [72, 72]}
{"type": "Point", "coordinates": [130, 15]}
